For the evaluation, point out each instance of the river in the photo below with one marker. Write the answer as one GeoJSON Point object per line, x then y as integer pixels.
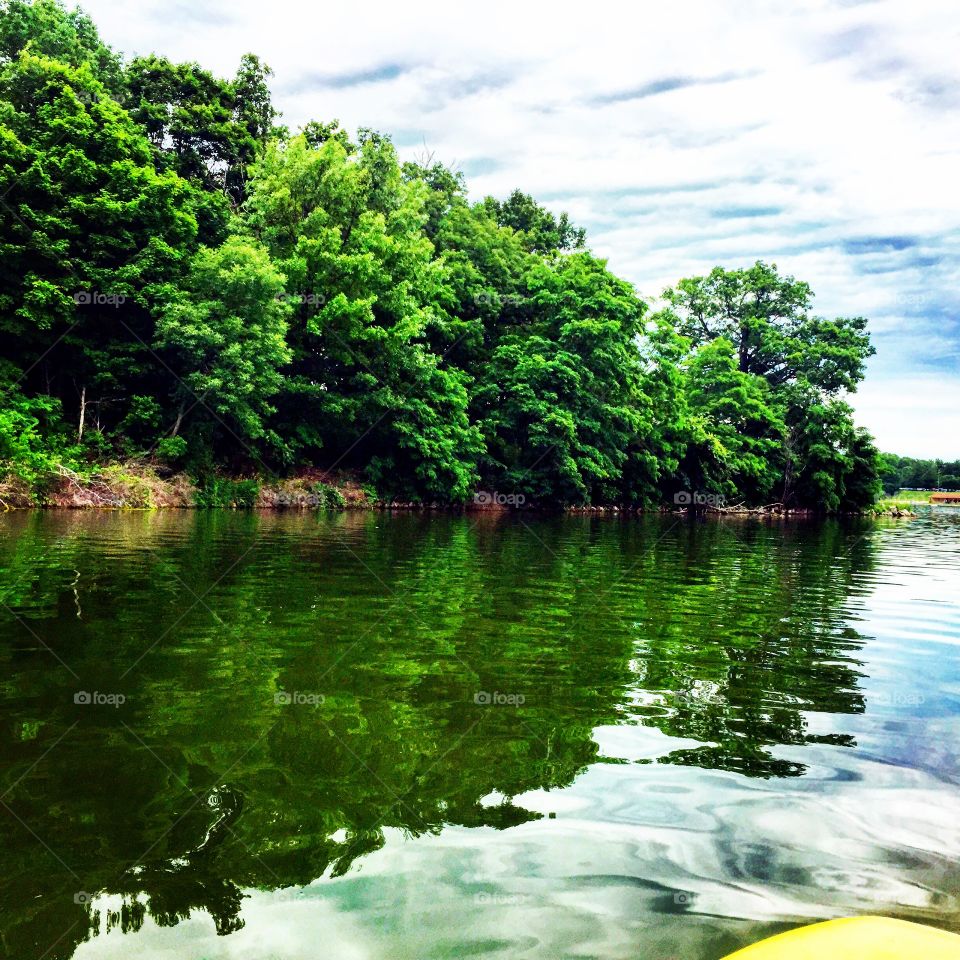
{"type": "Point", "coordinates": [357, 735]}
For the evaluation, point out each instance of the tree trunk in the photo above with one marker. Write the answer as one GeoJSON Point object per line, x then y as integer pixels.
{"type": "Point", "coordinates": [744, 357]}
{"type": "Point", "coordinates": [787, 495]}
{"type": "Point", "coordinates": [83, 413]}
{"type": "Point", "coordinates": [176, 426]}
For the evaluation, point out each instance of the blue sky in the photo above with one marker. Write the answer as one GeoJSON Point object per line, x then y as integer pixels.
{"type": "Point", "coordinates": [823, 136]}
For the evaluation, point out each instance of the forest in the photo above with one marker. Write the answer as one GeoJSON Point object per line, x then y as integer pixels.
{"type": "Point", "coordinates": [898, 473]}
{"type": "Point", "coordinates": [187, 284]}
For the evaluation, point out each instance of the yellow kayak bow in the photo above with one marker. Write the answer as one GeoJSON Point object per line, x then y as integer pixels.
{"type": "Point", "coordinates": [856, 938]}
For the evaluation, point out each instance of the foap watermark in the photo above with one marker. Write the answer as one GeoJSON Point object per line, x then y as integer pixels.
{"type": "Point", "coordinates": [500, 300]}
{"type": "Point", "coordinates": [697, 498]}
{"type": "Point", "coordinates": [484, 698]}
{"type": "Point", "coordinates": [97, 699]}
{"type": "Point", "coordinates": [303, 299]}
{"type": "Point", "coordinates": [911, 299]}
{"type": "Point", "coordinates": [98, 298]}
{"type": "Point", "coordinates": [898, 698]}
{"type": "Point", "coordinates": [493, 498]}
{"type": "Point", "coordinates": [298, 698]}
{"type": "Point", "coordinates": [500, 899]}
{"type": "Point", "coordinates": [82, 898]}
{"type": "Point", "coordinates": [298, 499]}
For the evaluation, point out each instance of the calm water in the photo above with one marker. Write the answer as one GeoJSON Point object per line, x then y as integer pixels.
{"type": "Point", "coordinates": [363, 736]}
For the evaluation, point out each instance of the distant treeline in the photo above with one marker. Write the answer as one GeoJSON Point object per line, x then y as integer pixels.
{"type": "Point", "coordinates": [184, 281]}
{"type": "Point", "coordinates": [899, 473]}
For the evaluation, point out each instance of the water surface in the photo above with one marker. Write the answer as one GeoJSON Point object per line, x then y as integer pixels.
{"type": "Point", "coordinates": [249, 736]}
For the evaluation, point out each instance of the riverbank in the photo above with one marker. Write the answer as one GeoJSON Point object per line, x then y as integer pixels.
{"type": "Point", "coordinates": [137, 485]}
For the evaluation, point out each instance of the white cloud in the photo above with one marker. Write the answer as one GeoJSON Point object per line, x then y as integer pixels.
{"type": "Point", "coordinates": [681, 135]}
{"type": "Point", "coordinates": [917, 416]}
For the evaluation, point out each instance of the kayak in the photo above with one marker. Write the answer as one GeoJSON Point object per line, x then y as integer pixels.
{"type": "Point", "coordinates": [856, 938]}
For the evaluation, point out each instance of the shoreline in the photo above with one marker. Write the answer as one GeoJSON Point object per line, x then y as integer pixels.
{"type": "Point", "coordinates": [136, 486]}
{"type": "Point", "coordinates": [457, 510]}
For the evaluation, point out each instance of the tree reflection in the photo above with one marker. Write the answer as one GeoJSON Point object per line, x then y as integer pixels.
{"type": "Point", "coordinates": [212, 777]}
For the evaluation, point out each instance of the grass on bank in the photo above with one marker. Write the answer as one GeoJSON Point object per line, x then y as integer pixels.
{"type": "Point", "coordinates": [913, 496]}
{"type": "Point", "coordinates": [904, 499]}
{"type": "Point", "coordinates": [142, 485]}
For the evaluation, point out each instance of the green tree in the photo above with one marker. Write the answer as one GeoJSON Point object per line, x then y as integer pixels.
{"type": "Point", "coordinates": [207, 129]}
{"type": "Point", "coordinates": [557, 404]}
{"type": "Point", "coordinates": [832, 465]}
{"type": "Point", "coordinates": [46, 28]}
{"type": "Point", "coordinates": [768, 320]}
{"type": "Point", "coordinates": [484, 293]}
{"type": "Point", "coordinates": [254, 121]}
{"type": "Point", "coordinates": [224, 336]}
{"type": "Point", "coordinates": [33, 437]}
{"type": "Point", "coordinates": [94, 234]}
{"type": "Point", "coordinates": [373, 318]}
{"type": "Point", "coordinates": [739, 431]}
{"type": "Point", "coordinates": [890, 472]}
{"type": "Point", "coordinates": [541, 231]}
{"type": "Point", "coordinates": [808, 363]}
{"type": "Point", "coordinates": [668, 426]}
{"type": "Point", "coordinates": [447, 190]}
{"type": "Point", "coordinates": [921, 474]}
{"type": "Point", "coordinates": [550, 343]}
{"type": "Point", "coordinates": [365, 384]}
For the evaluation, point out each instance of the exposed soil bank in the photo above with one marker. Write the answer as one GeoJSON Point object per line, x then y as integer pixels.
{"type": "Point", "coordinates": [143, 486]}
{"type": "Point", "coordinates": [136, 485]}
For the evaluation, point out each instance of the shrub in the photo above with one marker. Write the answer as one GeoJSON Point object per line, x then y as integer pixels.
{"type": "Point", "coordinates": [32, 440]}
{"type": "Point", "coordinates": [329, 497]}
{"type": "Point", "coordinates": [171, 448]}
{"type": "Point", "coordinates": [221, 492]}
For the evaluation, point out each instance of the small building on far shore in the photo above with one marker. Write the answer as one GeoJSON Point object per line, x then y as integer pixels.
{"type": "Point", "coordinates": [947, 496]}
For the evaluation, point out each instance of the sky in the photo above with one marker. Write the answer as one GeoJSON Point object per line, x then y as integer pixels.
{"type": "Point", "coordinates": [823, 136]}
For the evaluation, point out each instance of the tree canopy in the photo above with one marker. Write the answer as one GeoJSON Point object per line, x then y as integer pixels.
{"type": "Point", "coordinates": [182, 278]}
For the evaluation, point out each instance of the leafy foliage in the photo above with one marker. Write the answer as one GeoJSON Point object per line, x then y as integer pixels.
{"type": "Point", "coordinates": [791, 370]}
{"type": "Point", "coordinates": [909, 473]}
{"type": "Point", "coordinates": [739, 432]}
{"type": "Point", "coordinates": [206, 129]}
{"type": "Point", "coordinates": [365, 382]}
{"type": "Point", "coordinates": [181, 278]}
{"type": "Point", "coordinates": [49, 30]}
{"type": "Point", "coordinates": [224, 492]}
{"type": "Point", "coordinates": [32, 436]}
{"type": "Point", "coordinates": [767, 318]}
{"type": "Point", "coordinates": [224, 337]}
